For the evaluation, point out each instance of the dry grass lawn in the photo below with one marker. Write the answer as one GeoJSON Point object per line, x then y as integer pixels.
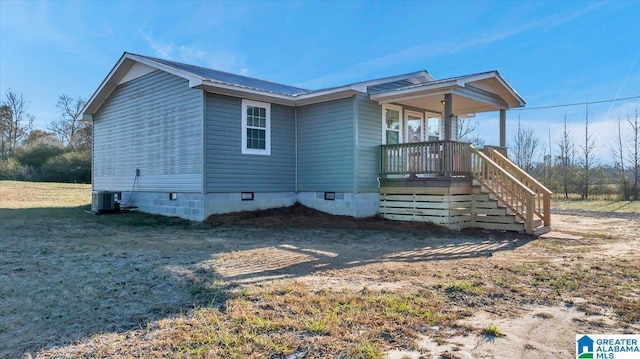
{"type": "Point", "coordinates": [134, 285]}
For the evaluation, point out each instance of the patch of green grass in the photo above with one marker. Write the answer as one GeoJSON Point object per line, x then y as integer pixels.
{"type": "Point", "coordinates": [492, 330]}
{"type": "Point", "coordinates": [463, 287]}
{"type": "Point", "coordinates": [286, 317]}
{"type": "Point", "coordinates": [365, 349]}
{"type": "Point", "coordinates": [596, 205]}
{"type": "Point", "coordinates": [19, 194]}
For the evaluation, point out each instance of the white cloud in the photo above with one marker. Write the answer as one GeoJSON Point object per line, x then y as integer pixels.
{"type": "Point", "coordinates": [220, 60]}
{"type": "Point", "coordinates": [227, 61]}
{"type": "Point", "coordinates": [190, 53]}
{"type": "Point", "coordinates": [162, 50]}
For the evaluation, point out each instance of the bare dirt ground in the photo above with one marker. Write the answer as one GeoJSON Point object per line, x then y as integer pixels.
{"type": "Point", "coordinates": [77, 285]}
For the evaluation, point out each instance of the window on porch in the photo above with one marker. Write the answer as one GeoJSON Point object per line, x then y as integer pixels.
{"type": "Point", "coordinates": [392, 126]}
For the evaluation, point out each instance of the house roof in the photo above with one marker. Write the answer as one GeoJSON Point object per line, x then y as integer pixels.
{"type": "Point", "coordinates": [251, 88]}
{"type": "Point", "coordinates": [481, 91]}
{"type": "Point", "coordinates": [229, 78]}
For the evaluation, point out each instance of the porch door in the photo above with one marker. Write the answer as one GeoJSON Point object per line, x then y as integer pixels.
{"type": "Point", "coordinates": [414, 122]}
{"type": "Point", "coordinates": [414, 129]}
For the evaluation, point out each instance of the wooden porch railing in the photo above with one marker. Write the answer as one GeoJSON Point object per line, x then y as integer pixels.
{"type": "Point", "coordinates": [521, 193]}
{"type": "Point", "coordinates": [507, 188]}
{"type": "Point", "coordinates": [443, 158]}
{"type": "Point", "coordinates": [542, 206]}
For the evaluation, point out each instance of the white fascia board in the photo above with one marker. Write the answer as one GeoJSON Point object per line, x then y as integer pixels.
{"type": "Point", "coordinates": [412, 96]}
{"type": "Point", "coordinates": [119, 71]}
{"type": "Point", "coordinates": [94, 103]}
{"type": "Point", "coordinates": [496, 75]}
{"type": "Point", "coordinates": [512, 91]}
{"type": "Point", "coordinates": [243, 92]}
{"type": "Point", "coordinates": [327, 96]}
{"type": "Point", "coordinates": [413, 92]}
{"type": "Point", "coordinates": [288, 100]}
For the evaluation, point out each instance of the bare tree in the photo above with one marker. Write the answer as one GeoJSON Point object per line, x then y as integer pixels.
{"type": "Point", "coordinates": [67, 128]}
{"type": "Point", "coordinates": [587, 161]}
{"type": "Point", "coordinates": [16, 122]}
{"type": "Point", "coordinates": [465, 127]}
{"type": "Point", "coordinates": [467, 130]}
{"type": "Point", "coordinates": [5, 117]}
{"type": "Point", "coordinates": [547, 163]}
{"type": "Point", "coordinates": [566, 157]}
{"type": "Point", "coordinates": [634, 155]}
{"type": "Point", "coordinates": [525, 147]}
{"type": "Point", "coordinates": [618, 160]}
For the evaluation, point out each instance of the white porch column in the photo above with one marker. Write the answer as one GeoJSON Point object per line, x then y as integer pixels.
{"type": "Point", "coordinates": [448, 112]}
{"type": "Point", "coordinates": [503, 128]}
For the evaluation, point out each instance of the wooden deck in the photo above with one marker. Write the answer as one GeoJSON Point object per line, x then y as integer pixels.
{"type": "Point", "coordinates": [451, 183]}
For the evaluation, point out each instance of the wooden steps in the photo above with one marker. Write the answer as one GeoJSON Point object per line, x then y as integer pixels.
{"type": "Point", "coordinates": [491, 214]}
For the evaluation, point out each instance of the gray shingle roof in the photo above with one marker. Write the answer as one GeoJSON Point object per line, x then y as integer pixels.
{"type": "Point", "coordinates": [230, 79]}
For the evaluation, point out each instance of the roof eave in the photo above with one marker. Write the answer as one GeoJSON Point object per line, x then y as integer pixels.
{"type": "Point", "coordinates": [519, 101]}
{"type": "Point", "coordinates": [118, 72]}
{"type": "Point", "coordinates": [244, 92]}
{"type": "Point", "coordinates": [92, 104]}
{"type": "Point", "coordinates": [282, 99]}
{"type": "Point", "coordinates": [449, 86]}
{"type": "Point", "coordinates": [414, 91]}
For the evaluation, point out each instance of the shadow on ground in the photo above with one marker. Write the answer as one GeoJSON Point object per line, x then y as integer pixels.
{"type": "Point", "coordinates": [66, 275]}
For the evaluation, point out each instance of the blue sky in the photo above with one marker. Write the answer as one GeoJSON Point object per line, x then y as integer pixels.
{"type": "Point", "coordinates": [550, 52]}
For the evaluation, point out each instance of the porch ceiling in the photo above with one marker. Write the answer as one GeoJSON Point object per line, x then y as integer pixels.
{"type": "Point", "coordinates": [461, 105]}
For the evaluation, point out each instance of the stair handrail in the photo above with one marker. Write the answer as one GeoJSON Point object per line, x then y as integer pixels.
{"type": "Point", "coordinates": [542, 193]}
{"type": "Point", "coordinates": [511, 192]}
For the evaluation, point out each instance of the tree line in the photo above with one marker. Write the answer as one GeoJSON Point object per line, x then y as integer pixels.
{"type": "Point", "coordinates": [567, 167]}
{"type": "Point", "coordinates": [62, 153]}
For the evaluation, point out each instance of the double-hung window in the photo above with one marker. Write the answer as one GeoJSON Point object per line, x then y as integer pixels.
{"type": "Point", "coordinates": [391, 124]}
{"type": "Point", "coordinates": [256, 127]}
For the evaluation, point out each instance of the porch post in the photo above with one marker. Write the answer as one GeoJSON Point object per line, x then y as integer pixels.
{"type": "Point", "coordinates": [448, 112]}
{"type": "Point", "coordinates": [446, 154]}
{"type": "Point", "coordinates": [503, 128]}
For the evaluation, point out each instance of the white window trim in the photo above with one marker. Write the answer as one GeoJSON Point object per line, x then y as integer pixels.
{"type": "Point", "coordinates": [253, 151]}
{"type": "Point", "coordinates": [386, 107]}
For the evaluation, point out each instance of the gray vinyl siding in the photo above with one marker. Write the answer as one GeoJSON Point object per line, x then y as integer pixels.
{"type": "Point", "coordinates": [153, 123]}
{"type": "Point", "coordinates": [326, 147]}
{"type": "Point", "coordinates": [227, 169]}
{"type": "Point", "coordinates": [369, 115]}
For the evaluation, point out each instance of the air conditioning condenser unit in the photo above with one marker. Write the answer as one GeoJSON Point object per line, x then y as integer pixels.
{"type": "Point", "coordinates": [103, 201]}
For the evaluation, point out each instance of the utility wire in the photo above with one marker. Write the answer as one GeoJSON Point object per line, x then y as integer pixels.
{"type": "Point", "coordinates": [624, 81]}
{"type": "Point", "coordinates": [575, 104]}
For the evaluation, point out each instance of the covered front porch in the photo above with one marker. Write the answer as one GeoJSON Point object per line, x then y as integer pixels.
{"type": "Point", "coordinates": [427, 174]}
